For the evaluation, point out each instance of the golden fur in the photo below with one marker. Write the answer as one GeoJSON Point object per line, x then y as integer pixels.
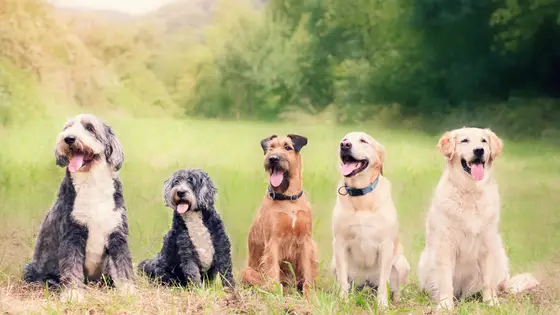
{"type": "Point", "coordinates": [281, 231]}
{"type": "Point", "coordinates": [464, 253]}
{"type": "Point", "coordinates": [366, 248]}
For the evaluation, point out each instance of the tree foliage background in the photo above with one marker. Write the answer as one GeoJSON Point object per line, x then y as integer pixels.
{"type": "Point", "coordinates": [429, 64]}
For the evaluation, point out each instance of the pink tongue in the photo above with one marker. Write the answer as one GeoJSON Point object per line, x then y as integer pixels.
{"type": "Point", "coordinates": [347, 168]}
{"type": "Point", "coordinates": [276, 178]}
{"type": "Point", "coordinates": [76, 162]}
{"type": "Point", "coordinates": [182, 207]}
{"type": "Point", "coordinates": [477, 171]}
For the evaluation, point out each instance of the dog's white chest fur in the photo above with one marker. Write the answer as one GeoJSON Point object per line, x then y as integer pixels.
{"type": "Point", "coordinates": [360, 234]}
{"type": "Point", "coordinates": [94, 207]}
{"type": "Point", "coordinates": [200, 237]}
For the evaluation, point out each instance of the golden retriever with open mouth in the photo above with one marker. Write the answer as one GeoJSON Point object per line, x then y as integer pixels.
{"type": "Point", "coordinates": [366, 244]}
{"type": "Point", "coordinates": [464, 253]}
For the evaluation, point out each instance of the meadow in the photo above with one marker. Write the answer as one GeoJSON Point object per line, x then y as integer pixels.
{"type": "Point", "coordinates": [528, 174]}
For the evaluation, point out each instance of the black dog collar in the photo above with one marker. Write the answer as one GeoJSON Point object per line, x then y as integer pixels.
{"type": "Point", "coordinates": [359, 191]}
{"type": "Point", "coordinates": [278, 196]}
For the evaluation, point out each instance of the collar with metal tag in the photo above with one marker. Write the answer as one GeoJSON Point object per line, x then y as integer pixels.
{"type": "Point", "coordinates": [354, 192]}
{"type": "Point", "coordinates": [278, 196]}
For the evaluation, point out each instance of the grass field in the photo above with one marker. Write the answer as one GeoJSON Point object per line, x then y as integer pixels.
{"type": "Point", "coordinates": [528, 174]}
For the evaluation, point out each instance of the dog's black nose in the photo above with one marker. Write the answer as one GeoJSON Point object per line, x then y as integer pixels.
{"type": "Point", "coordinates": [70, 140]}
{"type": "Point", "coordinates": [345, 145]}
{"type": "Point", "coordinates": [478, 151]}
{"type": "Point", "coordinates": [273, 159]}
{"type": "Point", "coordinates": [181, 194]}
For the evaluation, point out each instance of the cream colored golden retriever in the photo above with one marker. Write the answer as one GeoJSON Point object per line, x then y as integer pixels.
{"type": "Point", "coordinates": [366, 248]}
{"type": "Point", "coordinates": [464, 253]}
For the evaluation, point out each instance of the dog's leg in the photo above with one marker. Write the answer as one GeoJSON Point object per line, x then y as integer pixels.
{"type": "Point", "coordinates": [192, 272]}
{"type": "Point", "coordinates": [222, 267]}
{"type": "Point", "coordinates": [251, 276]}
{"type": "Point", "coordinates": [121, 270]}
{"type": "Point", "coordinates": [385, 266]}
{"type": "Point", "coordinates": [188, 266]}
{"type": "Point", "coordinates": [156, 269]}
{"type": "Point", "coordinates": [488, 283]}
{"type": "Point", "coordinates": [395, 285]}
{"type": "Point", "coordinates": [399, 275]}
{"type": "Point", "coordinates": [341, 261]}
{"type": "Point", "coordinates": [444, 266]}
{"type": "Point", "coordinates": [43, 267]}
{"type": "Point", "coordinates": [71, 257]}
{"type": "Point", "coordinates": [270, 263]}
{"type": "Point", "coordinates": [487, 264]}
{"type": "Point", "coordinates": [308, 266]}
{"type": "Point", "coordinates": [221, 263]}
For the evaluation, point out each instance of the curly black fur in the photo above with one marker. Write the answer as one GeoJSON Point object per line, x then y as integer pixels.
{"type": "Point", "coordinates": [178, 262]}
{"type": "Point", "coordinates": [60, 253]}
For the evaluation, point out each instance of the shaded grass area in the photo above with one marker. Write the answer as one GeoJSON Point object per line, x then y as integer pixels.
{"type": "Point", "coordinates": [528, 174]}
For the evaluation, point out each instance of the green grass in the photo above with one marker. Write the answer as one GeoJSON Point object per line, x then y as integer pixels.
{"type": "Point", "coordinates": [528, 174]}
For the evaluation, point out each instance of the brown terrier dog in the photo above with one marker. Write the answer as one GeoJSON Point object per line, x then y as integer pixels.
{"type": "Point", "coordinates": [280, 243]}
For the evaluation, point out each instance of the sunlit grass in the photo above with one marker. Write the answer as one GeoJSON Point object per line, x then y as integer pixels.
{"type": "Point", "coordinates": [528, 174]}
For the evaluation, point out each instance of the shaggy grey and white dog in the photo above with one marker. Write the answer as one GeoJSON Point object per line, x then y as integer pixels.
{"type": "Point", "coordinates": [197, 246]}
{"type": "Point", "coordinates": [84, 235]}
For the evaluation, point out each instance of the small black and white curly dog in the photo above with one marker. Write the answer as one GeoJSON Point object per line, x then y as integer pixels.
{"type": "Point", "coordinates": [197, 246]}
{"type": "Point", "coordinates": [84, 235]}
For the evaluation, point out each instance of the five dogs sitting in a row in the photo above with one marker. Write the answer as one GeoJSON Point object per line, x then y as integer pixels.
{"type": "Point", "coordinates": [84, 236]}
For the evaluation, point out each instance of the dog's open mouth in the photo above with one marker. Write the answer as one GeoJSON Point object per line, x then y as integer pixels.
{"type": "Point", "coordinates": [475, 167]}
{"type": "Point", "coordinates": [183, 206]}
{"type": "Point", "coordinates": [351, 166]}
{"type": "Point", "coordinates": [80, 160]}
{"type": "Point", "coordinates": [276, 176]}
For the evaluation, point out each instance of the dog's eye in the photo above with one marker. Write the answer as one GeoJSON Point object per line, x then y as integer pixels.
{"type": "Point", "coordinates": [465, 141]}
{"type": "Point", "coordinates": [483, 140]}
{"type": "Point", "coordinates": [89, 127]}
{"type": "Point", "coordinates": [287, 148]}
{"type": "Point", "coordinates": [190, 180]}
{"type": "Point", "coordinates": [176, 182]}
{"type": "Point", "coordinates": [363, 141]}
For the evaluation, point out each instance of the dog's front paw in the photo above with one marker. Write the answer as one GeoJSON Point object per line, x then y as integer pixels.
{"type": "Point", "coordinates": [72, 295]}
{"type": "Point", "coordinates": [382, 302]}
{"type": "Point", "coordinates": [446, 304]}
{"type": "Point", "coordinates": [492, 300]}
{"type": "Point", "coordinates": [395, 297]}
{"type": "Point", "coordinates": [343, 293]}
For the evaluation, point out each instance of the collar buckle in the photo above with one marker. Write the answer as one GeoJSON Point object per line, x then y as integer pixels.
{"type": "Point", "coordinates": [355, 192]}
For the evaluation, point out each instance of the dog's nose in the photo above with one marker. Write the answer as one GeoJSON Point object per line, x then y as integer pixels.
{"type": "Point", "coordinates": [478, 151]}
{"type": "Point", "coordinates": [273, 159]}
{"type": "Point", "coordinates": [181, 194]}
{"type": "Point", "coordinates": [345, 145]}
{"type": "Point", "coordinates": [70, 140]}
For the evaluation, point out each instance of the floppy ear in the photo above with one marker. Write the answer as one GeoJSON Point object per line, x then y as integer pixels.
{"type": "Point", "coordinates": [113, 149]}
{"type": "Point", "coordinates": [61, 160]}
{"type": "Point", "coordinates": [496, 144]}
{"type": "Point", "coordinates": [265, 141]}
{"type": "Point", "coordinates": [380, 149]}
{"type": "Point", "coordinates": [207, 194]}
{"type": "Point", "coordinates": [299, 141]}
{"type": "Point", "coordinates": [166, 189]}
{"type": "Point", "coordinates": [446, 144]}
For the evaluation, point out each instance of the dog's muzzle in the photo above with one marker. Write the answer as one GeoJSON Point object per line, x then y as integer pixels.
{"type": "Point", "coordinates": [476, 166]}
{"type": "Point", "coordinates": [79, 156]}
{"type": "Point", "coordinates": [182, 202]}
{"type": "Point", "coordinates": [276, 166]}
{"type": "Point", "coordinates": [350, 165]}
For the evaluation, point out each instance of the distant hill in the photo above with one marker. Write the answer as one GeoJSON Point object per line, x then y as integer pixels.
{"type": "Point", "coordinates": [80, 12]}
{"type": "Point", "coordinates": [176, 16]}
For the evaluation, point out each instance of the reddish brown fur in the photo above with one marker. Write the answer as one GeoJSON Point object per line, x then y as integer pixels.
{"type": "Point", "coordinates": [275, 238]}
